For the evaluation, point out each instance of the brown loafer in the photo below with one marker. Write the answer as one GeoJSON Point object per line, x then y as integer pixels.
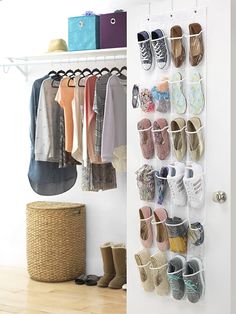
{"type": "Point", "coordinates": [196, 44]}
{"type": "Point", "coordinates": [177, 48]}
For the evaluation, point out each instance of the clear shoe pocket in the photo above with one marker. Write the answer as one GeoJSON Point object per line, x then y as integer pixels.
{"type": "Point", "coordinates": [161, 96]}
{"type": "Point", "coordinates": [146, 101]}
{"type": "Point", "coordinates": [146, 277]}
{"type": "Point", "coordinates": [160, 280]}
{"type": "Point", "coordinates": [195, 139]}
{"type": "Point", "coordinates": [161, 233]}
{"type": "Point", "coordinates": [178, 237]}
{"type": "Point", "coordinates": [194, 285]}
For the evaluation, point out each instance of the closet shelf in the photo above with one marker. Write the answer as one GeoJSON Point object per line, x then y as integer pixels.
{"type": "Point", "coordinates": [22, 63]}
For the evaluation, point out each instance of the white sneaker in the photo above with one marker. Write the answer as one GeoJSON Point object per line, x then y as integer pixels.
{"type": "Point", "coordinates": [175, 181]}
{"type": "Point", "coordinates": [194, 185]}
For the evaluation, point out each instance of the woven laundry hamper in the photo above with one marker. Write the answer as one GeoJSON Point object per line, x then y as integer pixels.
{"type": "Point", "coordinates": [56, 246]}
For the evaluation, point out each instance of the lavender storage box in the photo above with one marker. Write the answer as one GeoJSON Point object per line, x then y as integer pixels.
{"type": "Point", "coordinates": [83, 33]}
{"type": "Point", "coordinates": [113, 30]}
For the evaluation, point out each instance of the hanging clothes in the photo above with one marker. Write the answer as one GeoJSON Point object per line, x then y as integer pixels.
{"type": "Point", "coordinates": [46, 178]}
{"type": "Point", "coordinates": [98, 107]}
{"type": "Point", "coordinates": [64, 97]}
{"type": "Point", "coordinates": [47, 139]}
{"type": "Point", "coordinates": [91, 119]}
{"type": "Point", "coordinates": [114, 124]}
{"type": "Point", "coordinates": [77, 114]}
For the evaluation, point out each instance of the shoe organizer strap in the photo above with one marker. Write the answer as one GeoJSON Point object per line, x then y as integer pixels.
{"type": "Point", "coordinates": [176, 38]}
{"type": "Point", "coordinates": [177, 131]}
{"type": "Point", "coordinates": [143, 130]}
{"type": "Point", "coordinates": [157, 268]}
{"type": "Point", "coordinates": [146, 219]}
{"type": "Point", "coordinates": [191, 275]}
{"type": "Point", "coordinates": [160, 130]}
{"type": "Point", "coordinates": [144, 41]}
{"type": "Point", "coordinates": [176, 225]}
{"type": "Point", "coordinates": [194, 132]}
{"type": "Point", "coordinates": [176, 272]}
{"type": "Point", "coordinates": [175, 82]}
{"type": "Point", "coordinates": [195, 82]}
{"type": "Point", "coordinates": [157, 39]}
{"type": "Point", "coordinates": [193, 35]}
{"type": "Point", "coordinates": [143, 266]}
{"type": "Point", "coordinates": [154, 222]}
{"type": "Point", "coordinates": [158, 177]}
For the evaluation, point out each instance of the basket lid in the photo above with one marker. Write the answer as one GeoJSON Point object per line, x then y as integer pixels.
{"type": "Point", "coordinates": [53, 205]}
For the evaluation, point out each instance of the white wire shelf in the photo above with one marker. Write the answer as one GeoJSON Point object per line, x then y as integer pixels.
{"type": "Point", "coordinates": [66, 57]}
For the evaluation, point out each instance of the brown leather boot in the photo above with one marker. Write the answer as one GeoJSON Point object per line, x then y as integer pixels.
{"type": "Point", "coordinates": [119, 257]}
{"type": "Point", "coordinates": [108, 265]}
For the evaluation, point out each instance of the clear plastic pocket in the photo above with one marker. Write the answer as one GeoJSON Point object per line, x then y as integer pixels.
{"type": "Point", "coordinates": [195, 140]}
{"type": "Point", "coordinates": [178, 236]}
{"type": "Point", "coordinates": [146, 277]}
{"type": "Point", "coordinates": [160, 280]}
{"type": "Point", "coordinates": [195, 286]}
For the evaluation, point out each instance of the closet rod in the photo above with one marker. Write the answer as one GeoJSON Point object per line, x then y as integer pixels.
{"type": "Point", "coordinates": [58, 61]}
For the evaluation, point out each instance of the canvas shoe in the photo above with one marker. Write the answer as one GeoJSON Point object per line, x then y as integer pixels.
{"type": "Point", "coordinates": [160, 48]}
{"type": "Point", "coordinates": [145, 50]}
{"type": "Point", "coordinates": [175, 277]}
{"type": "Point", "coordinates": [158, 269]}
{"type": "Point", "coordinates": [195, 138]}
{"type": "Point", "coordinates": [176, 185]}
{"type": "Point", "coordinates": [178, 136]}
{"type": "Point", "coordinates": [194, 185]}
{"type": "Point", "coordinates": [194, 280]}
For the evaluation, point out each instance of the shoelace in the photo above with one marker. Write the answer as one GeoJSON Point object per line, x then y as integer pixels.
{"type": "Point", "coordinates": [191, 287]}
{"type": "Point", "coordinates": [144, 52]}
{"type": "Point", "coordinates": [172, 280]}
{"type": "Point", "coordinates": [160, 49]}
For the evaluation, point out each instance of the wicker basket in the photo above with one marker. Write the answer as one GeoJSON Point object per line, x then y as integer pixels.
{"type": "Point", "coordinates": [56, 248]}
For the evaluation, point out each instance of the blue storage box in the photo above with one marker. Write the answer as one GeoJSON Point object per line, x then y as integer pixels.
{"type": "Point", "coordinates": [83, 33]}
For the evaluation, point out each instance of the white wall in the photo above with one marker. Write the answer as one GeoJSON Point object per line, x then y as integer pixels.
{"type": "Point", "coordinates": [26, 28]}
{"type": "Point", "coordinates": [218, 262]}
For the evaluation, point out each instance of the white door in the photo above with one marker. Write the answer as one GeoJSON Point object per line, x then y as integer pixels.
{"type": "Point", "coordinates": [219, 252]}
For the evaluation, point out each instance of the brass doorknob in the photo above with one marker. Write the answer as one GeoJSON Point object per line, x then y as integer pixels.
{"type": "Point", "coordinates": [219, 197]}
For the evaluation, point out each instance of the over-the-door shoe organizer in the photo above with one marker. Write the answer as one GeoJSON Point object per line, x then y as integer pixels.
{"type": "Point", "coordinates": [172, 134]}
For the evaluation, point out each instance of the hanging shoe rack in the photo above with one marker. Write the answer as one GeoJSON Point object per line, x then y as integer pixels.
{"type": "Point", "coordinates": [99, 55]}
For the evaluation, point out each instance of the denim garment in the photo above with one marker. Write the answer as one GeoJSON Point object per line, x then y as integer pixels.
{"type": "Point", "coordinates": [46, 178]}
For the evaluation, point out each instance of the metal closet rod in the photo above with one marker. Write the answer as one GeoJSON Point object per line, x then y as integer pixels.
{"type": "Point", "coordinates": [59, 61]}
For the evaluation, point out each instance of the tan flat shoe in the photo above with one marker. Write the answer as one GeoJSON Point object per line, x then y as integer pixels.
{"type": "Point", "coordinates": [177, 48]}
{"type": "Point", "coordinates": [195, 138]}
{"type": "Point", "coordinates": [196, 52]}
{"type": "Point", "coordinates": [177, 130]}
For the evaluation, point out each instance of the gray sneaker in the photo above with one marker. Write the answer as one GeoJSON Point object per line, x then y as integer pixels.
{"type": "Point", "coordinates": [145, 50]}
{"type": "Point", "coordinates": [175, 277]}
{"type": "Point", "coordinates": [194, 280]}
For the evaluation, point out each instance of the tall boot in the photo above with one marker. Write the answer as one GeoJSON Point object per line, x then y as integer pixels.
{"type": "Point", "coordinates": [119, 258]}
{"type": "Point", "coordinates": [108, 266]}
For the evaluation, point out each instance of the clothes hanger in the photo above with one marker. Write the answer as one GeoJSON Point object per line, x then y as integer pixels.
{"type": "Point", "coordinates": [105, 70]}
{"type": "Point", "coordinates": [58, 76]}
{"type": "Point", "coordinates": [70, 73]}
{"type": "Point", "coordinates": [83, 76]}
{"type": "Point", "coordinates": [115, 69]}
{"type": "Point", "coordinates": [96, 71]}
{"type": "Point", "coordinates": [121, 75]}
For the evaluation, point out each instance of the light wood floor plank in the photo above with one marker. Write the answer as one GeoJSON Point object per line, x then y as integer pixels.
{"type": "Point", "coordinates": [21, 295]}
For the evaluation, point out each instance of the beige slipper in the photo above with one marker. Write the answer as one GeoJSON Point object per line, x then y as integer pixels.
{"type": "Point", "coordinates": [159, 265]}
{"type": "Point", "coordinates": [143, 261]}
{"type": "Point", "coordinates": [195, 138]}
{"type": "Point", "coordinates": [177, 130]}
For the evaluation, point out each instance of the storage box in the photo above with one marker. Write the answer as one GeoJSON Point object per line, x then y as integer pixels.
{"type": "Point", "coordinates": [56, 241]}
{"type": "Point", "coordinates": [83, 33]}
{"type": "Point", "coordinates": [113, 30]}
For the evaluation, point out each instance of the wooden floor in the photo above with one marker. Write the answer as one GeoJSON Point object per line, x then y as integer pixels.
{"type": "Point", "coordinates": [19, 294]}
